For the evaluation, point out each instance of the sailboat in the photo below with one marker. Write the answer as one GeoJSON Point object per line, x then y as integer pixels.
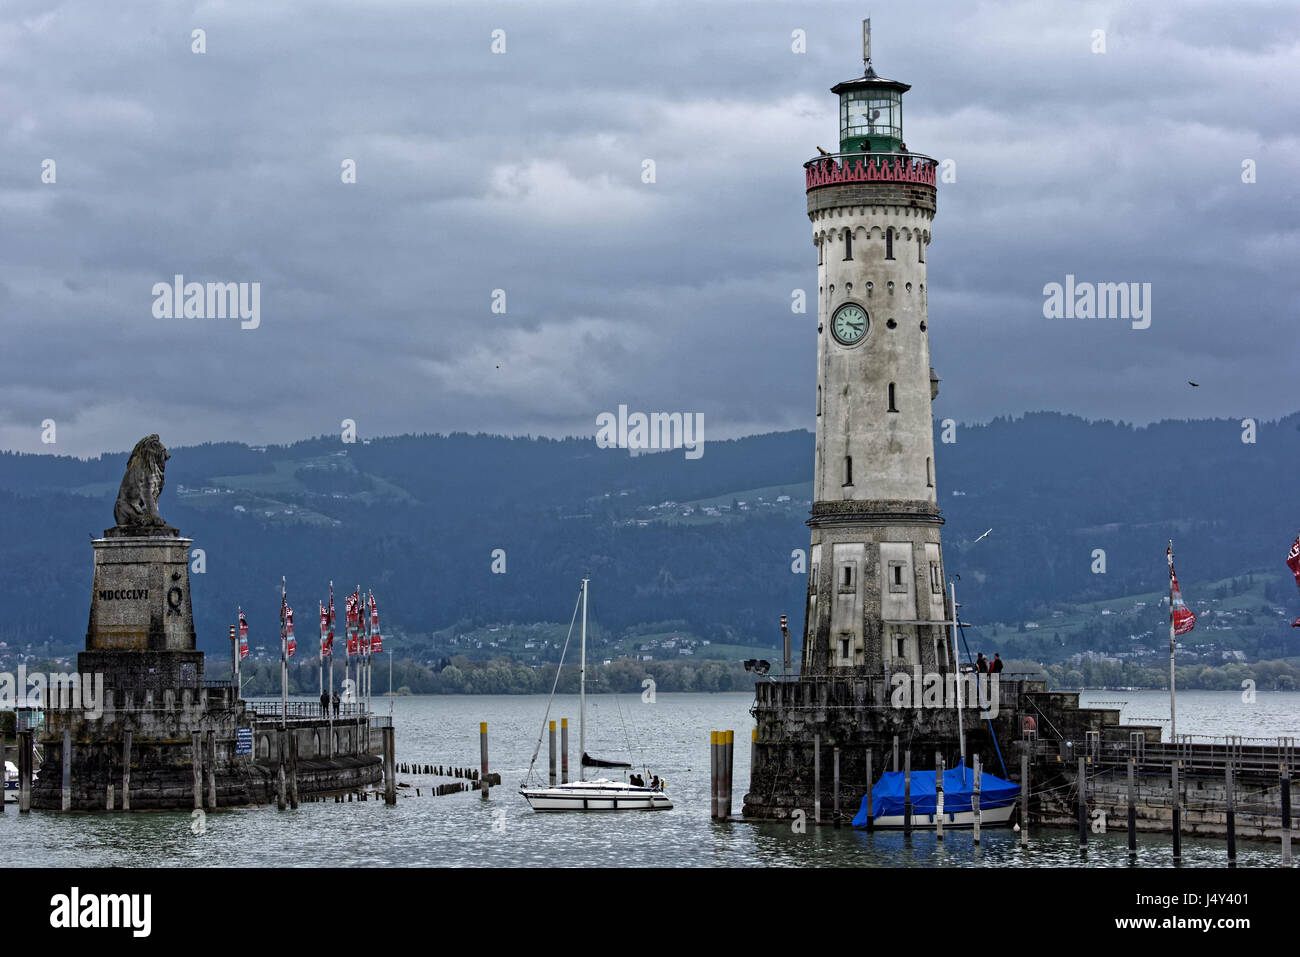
{"type": "Point", "coordinates": [600, 794]}
{"type": "Point", "coordinates": [887, 806]}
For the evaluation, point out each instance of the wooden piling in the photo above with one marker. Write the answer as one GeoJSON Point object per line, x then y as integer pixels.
{"type": "Point", "coordinates": [66, 799]}
{"type": "Point", "coordinates": [713, 775]}
{"type": "Point", "coordinates": [1082, 784]}
{"type": "Point", "coordinates": [390, 773]}
{"type": "Point", "coordinates": [482, 750]}
{"type": "Point", "coordinates": [817, 778]}
{"type": "Point", "coordinates": [728, 760]}
{"type": "Point", "coordinates": [895, 754]}
{"type": "Point", "coordinates": [24, 771]}
{"type": "Point", "coordinates": [552, 752]}
{"type": "Point", "coordinates": [564, 750]}
{"type": "Point", "coordinates": [836, 756]}
{"type": "Point", "coordinates": [293, 770]}
{"type": "Point", "coordinates": [1286, 815]}
{"type": "Point", "coordinates": [108, 798]}
{"type": "Point", "coordinates": [212, 770]}
{"type": "Point", "coordinates": [1024, 800]}
{"type": "Point", "coordinates": [907, 790]}
{"type": "Point", "coordinates": [1132, 809]}
{"type": "Point", "coordinates": [975, 799]}
{"type": "Point", "coordinates": [196, 759]}
{"type": "Point", "coordinates": [1231, 816]}
{"type": "Point", "coordinates": [1177, 817]}
{"type": "Point", "coordinates": [938, 796]}
{"type": "Point", "coordinates": [871, 824]}
{"type": "Point", "coordinates": [126, 770]}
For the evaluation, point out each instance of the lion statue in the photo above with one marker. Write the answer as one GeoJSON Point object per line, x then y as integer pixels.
{"type": "Point", "coordinates": [137, 499]}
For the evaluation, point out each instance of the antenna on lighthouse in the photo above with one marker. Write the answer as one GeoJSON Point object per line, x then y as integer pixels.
{"type": "Point", "coordinates": [866, 42]}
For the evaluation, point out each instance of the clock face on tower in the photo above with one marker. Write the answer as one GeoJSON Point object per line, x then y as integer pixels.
{"type": "Point", "coordinates": [849, 324]}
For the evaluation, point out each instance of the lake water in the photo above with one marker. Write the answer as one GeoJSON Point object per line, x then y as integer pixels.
{"type": "Point", "coordinates": [466, 831]}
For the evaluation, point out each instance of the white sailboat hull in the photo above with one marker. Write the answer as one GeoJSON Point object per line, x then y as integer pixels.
{"type": "Point", "coordinates": [596, 796]}
{"type": "Point", "coordinates": [989, 817]}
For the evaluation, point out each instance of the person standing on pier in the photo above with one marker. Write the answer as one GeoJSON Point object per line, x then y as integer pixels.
{"type": "Point", "coordinates": [324, 704]}
{"type": "Point", "coordinates": [336, 704]}
{"type": "Point", "coordinates": [995, 666]}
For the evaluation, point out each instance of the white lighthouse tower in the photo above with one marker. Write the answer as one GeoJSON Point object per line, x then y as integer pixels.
{"type": "Point", "coordinates": [875, 597]}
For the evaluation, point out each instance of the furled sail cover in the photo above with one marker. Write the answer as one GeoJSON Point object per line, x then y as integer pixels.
{"type": "Point", "coordinates": [589, 762]}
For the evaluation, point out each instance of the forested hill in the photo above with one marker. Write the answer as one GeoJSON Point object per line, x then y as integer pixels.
{"type": "Point", "coordinates": [706, 542]}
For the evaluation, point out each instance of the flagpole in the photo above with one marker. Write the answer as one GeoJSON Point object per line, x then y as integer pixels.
{"type": "Point", "coordinates": [331, 614]}
{"type": "Point", "coordinates": [284, 658]}
{"type": "Point", "coordinates": [1173, 726]}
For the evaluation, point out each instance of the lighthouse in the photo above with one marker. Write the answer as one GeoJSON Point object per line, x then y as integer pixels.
{"type": "Point", "coordinates": [875, 598]}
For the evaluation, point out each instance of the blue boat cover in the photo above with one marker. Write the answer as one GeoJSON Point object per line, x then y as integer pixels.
{"type": "Point", "coordinates": [958, 784]}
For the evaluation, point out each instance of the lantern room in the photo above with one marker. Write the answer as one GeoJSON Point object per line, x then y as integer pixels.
{"type": "Point", "coordinates": [871, 113]}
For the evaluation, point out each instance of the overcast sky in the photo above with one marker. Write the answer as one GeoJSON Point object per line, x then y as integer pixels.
{"type": "Point", "coordinates": [522, 171]}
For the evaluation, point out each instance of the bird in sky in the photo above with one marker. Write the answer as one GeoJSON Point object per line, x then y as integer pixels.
{"type": "Point", "coordinates": [1194, 385]}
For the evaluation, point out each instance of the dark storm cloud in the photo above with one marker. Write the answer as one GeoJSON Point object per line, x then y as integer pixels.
{"type": "Point", "coordinates": [523, 172]}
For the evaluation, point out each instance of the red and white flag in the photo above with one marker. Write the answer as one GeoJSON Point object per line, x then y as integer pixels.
{"type": "Point", "coordinates": [324, 631]}
{"type": "Point", "coordinates": [1184, 619]}
{"type": "Point", "coordinates": [376, 640]}
{"type": "Point", "coordinates": [353, 620]}
{"type": "Point", "coordinates": [243, 635]}
{"type": "Point", "coordinates": [286, 624]}
{"type": "Point", "coordinates": [1293, 563]}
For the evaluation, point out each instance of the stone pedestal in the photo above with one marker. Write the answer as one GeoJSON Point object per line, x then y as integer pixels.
{"type": "Point", "coordinates": [140, 599]}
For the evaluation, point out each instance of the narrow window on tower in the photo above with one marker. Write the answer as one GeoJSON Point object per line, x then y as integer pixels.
{"type": "Point", "coordinates": [844, 646]}
{"type": "Point", "coordinates": [897, 583]}
{"type": "Point", "coordinates": [889, 243]}
{"type": "Point", "coordinates": [820, 245]}
{"type": "Point", "coordinates": [819, 400]}
{"type": "Point", "coordinates": [848, 244]}
{"type": "Point", "coordinates": [892, 407]}
{"type": "Point", "coordinates": [847, 581]}
{"type": "Point", "coordinates": [920, 248]}
{"type": "Point", "coordinates": [929, 473]}
{"type": "Point", "coordinates": [848, 470]}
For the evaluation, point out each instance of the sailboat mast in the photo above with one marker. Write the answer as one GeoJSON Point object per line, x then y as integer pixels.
{"type": "Point", "coordinates": [961, 733]}
{"type": "Point", "coordinates": [582, 691]}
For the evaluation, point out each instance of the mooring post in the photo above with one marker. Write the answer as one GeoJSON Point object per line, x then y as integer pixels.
{"type": "Point", "coordinates": [126, 770]}
{"type": "Point", "coordinates": [1286, 815]}
{"type": "Point", "coordinates": [564, 750]}
{"type": "Point", "coordinates": [212, 770]}
{"type": "Point", "coordinates": [552, 753]}
{"type": "Point", "coordinates": [293, 766]}
{"type": "Point", "coordinates": [836, 756]}
{"type": "Point", "coordinates": [1231, 816]}
{"type": "Point", "coordinates": [753, 750]}
{"type": "Point", "coordinates": [280, 801]}
{"type": "Point", "coordinates": [196, 746]}
{"type": "Point", "coordinates": [66, 802]}
{"type": "Point", "coordinates": [1083, 804]}
{"type": "Point", "coordinates": [713, 775]}
{"type": "Point", "coordinates": [1024, 800]}
{"type": "Point", "coordinates": [390, 766]}
{"type": "Point", "coordinates": [482, 753]}
{"type": "Point", "coordinates": [895, 754]}
{"type": "Point", "coordinates": [1132, 810]}
{"type": "Point", "coordinates": [729, 756]}
{"type": "Point", "coordinates": [108, 798]}
{"type": "Point", "coordinates": [907, 790]}
{"type": "Point", "coordinates": [24, 771]}
{"type": "Point", "coordinates": [1177, 822]}
{"type": "Point", "coordinates": [871, 824]}
{"type": "Point", "coordinates": [975, 801]}
{"type": "Point", "coordinates": [817, 778]}
{"type": "Point", "coordinates": [938, 796]}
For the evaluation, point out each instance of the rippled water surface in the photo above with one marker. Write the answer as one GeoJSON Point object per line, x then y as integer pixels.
{"type": "Point", "coordinates": [465, 830]}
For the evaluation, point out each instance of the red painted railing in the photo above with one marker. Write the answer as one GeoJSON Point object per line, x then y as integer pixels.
{"type": "Point", "coordinates": [870, 168]}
